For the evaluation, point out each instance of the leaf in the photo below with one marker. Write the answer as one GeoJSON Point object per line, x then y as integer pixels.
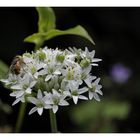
{"type": "Point", "coordinates": [3, 69]}
{"type": "Point", "coordinates": [106, 109]}
{"type": "Point", "coordinates": [39, 38]}
{"type": "Point", "coordinates": [46, 20]}
{"type": "Point", "coordinates": [120, 112]}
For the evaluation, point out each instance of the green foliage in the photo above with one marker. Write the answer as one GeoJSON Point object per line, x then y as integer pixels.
{"type": "Point", "coordinates": [46, 20]}
{"type": "Point", "coordinates": [99, 114]}
{"type": "Point", "coordinates": [3, 69]}
{"type": "Point", "coordinates": [5, 108]}
{"type": "Point", "coordinates": [39, 38]}
{"type": "Point", "coordinates": [47, 31]}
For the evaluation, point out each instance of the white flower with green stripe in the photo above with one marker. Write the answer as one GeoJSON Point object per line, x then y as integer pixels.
{"type": "Point", "coordinates": [49, 78]}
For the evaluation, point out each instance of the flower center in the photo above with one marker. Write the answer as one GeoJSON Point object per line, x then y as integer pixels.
{"type": "Point", "coordinates": [85, 63]}
{"type": "Point", "coordinates": [40, 104]}
{"type": "Point", "coordinates": [42, 56]}
{"type": "Point", "coordinates": [56, 100]}
{"type": "Point", "coordinates": [70, 74]}
{"type": "Point", "coordinates": [83, 76]}
{"type": "Point", "coordinates": [93, 88]}
{"type": "Point", "coordinates": [60, 58]}
{"type": "Point", "coordinates": [74, 93]}
{"type": "Point", "coordinates": [33, 70]}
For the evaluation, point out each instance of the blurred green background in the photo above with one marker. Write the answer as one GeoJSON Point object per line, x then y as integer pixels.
{"type": "Point", "coordinates": [116, 34]}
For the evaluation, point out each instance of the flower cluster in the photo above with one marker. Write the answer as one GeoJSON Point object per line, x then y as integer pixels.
{"type": "Point", "coordinates": [48, 78]}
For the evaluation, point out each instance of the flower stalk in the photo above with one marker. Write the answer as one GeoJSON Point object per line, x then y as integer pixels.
{"type": "Point", "coordinates": [53, 122]}
{"type": "Point", "coordinates": [20, 118]}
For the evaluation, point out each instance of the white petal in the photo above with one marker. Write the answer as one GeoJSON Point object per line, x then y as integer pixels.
{"type": "Point", "coordinates": [83, 97]}
{"type": "Point", "coordinates": [27, 59]}
{"type": "Point", "coordinates": [63, 71]}
{"type": "Point", "coordinates": [70, 49]}
{"type": "Point", "coordinates": [94, 64]}
{"type": "Point", "coordinates": [82, 90]}
{"type": "Point", "coordinates": [87, 70]}
{"type": "Point", "coordinates": [18, 87]}
{"type": "Point", "coordinates": [90, 95]}
{"type": "Point", "coordinates": [57, 72]}
{"type": "Point", "coordinates": [13, 94]}
{"type": "Point", "coordinates": [4, 80]}
{"type": "Point", "coordinates": [63, 103]}
{"type": "Point", "coordinates": [36, 75]}
{"type": "Point", "coordinates": [40, 110]}
{"type": "Point", "coordinates": [68, 63]}
{"type": "Point", "coordinates": [22, 99]}
{"type": "Point", "coordinates": [75, 99]}
{"type": "Point", "coordinates": [99, 91]}
{"type": "Point", "coordinates": [42, 72]}
{"type": "Point", "coordinates": [16, 101]}
{"type": "Point", "coordinates": [33, 83]}
{"type": "Point", "coordinates": [91, 78]}
{"type": "Point", "coordinates": [88, 82]}
{"type": "Point", "coordinates": [40, 66]}
{"type": "Point", "coordinates": [73, 85]}
{"type": "Point", "coordinates": [47, 106]}
{"type": "Point", "coordinates": [55, 93]}
{"type": "Point", "coordinates": [66, 93]}
{"type": "Point", "coordinates": [26, 79]}
{"type": "Point", "coordinates": [92, 53]}
{"type": "Point", "coordinates": [96, 96]}
{"type": "Point", "coordinates": [17, 93]}
{"type": "Point", "coordinates": [99, 86]}
{"type": "Point", "coordinates": [39, 95]}
{"type": "Point", "coordinates": [48, 102]}
{"type": "Point", "coordinates": [97, 81]}
{"type": "Point", "coordinates": [32, 100]}
{"type": "Point", "coordinates": [28, 90]}
{"type": "Point", "coordinates": [80, 82]}
{"type": "Point", "coordinates": [96, 60]}
{"type": "Point", "coordinates": [32, 110]}
{"type": "Point", "coordinates": [48, 77]}
{"type": "Point", "coordinates": [48, 99]}
{"type": "Point", "coordinates": [55, 108]}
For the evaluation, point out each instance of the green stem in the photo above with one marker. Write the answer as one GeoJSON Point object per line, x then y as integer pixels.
{"type": "Point", "coordinates": [53, 121]}
{"type": "Point", "coordinates": [20, 118]}
{"type": "Point", "coordinates": [37, 46]}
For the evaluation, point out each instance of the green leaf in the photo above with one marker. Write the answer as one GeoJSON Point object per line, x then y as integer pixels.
{"type": "Point", "coordinates": [3, 69]}
{"type": "Point", "coordinates": [106, 109]}
{"type": "Point", "coordinates": [39, 38]}
{"type": "Point", "coordinates": [46, 20]}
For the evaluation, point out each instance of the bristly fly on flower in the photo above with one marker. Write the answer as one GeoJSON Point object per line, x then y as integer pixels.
{"type": "Point", "coordinates": [16, 65]}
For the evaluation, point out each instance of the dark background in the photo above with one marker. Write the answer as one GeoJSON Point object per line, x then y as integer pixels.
{"type": "Point", "coordinates": [116, 33]}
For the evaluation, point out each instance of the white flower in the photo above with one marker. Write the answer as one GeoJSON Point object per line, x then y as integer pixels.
{"type": "Point", "coordinates": [72, 74]}
{"type": "Point", "coordinates": [75, 92]}
{"type": "Point", "coordinates": [85, 75]}
{"type": "Point", "coordinates": [94, 89]}
{"type": "Point", "coordinates": [49, 77]}
{"type": "Point", "coordinates": [55, 99]}
{"type": "Point", "coordinates": [27, 58]}
{"type": "Point", "coordinates": [51, 70]}
{"type": "Point", "coordinates": [69, 60]}
{"type": "Point", "coordinates": [75, 50]}
{"type": "Point", "coordinates": [22, 88]}
{"type": "Point", "coordinates": [90, 57]}
{"type": "Point", "coordinates": [12, 79]}
{"type": "Point", "coordinates": [34, 67]}
{"type": "Point", "coordinates": [39, 103]}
